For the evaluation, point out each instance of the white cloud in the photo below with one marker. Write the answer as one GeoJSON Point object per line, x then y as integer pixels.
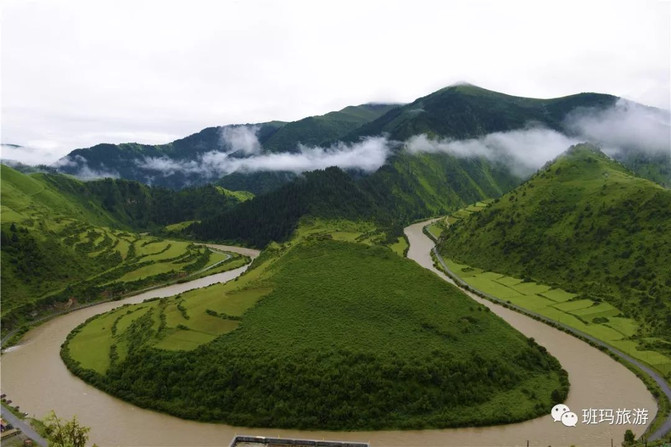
{"type": "Point", "coordinates": [83, 170]}
{"type": "Point", "coordinates": [627, 125]}
{"type": "Point", "coordinates": [367, 155]}
{"type": "Point", "coordinates": [30, 155]}
{"type": "Point", "coordinates": [179, 67]}
{"type": "Point", "coordinates": [524, 151]}
{"type": "Point", "coordinates": [241, 138]}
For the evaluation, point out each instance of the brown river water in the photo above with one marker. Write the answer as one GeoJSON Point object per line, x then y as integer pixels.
{"type": "Point", "coordinates": [35, 378]}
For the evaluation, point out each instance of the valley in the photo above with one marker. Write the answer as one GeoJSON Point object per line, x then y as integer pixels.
{"type": "Point", "coordinates": [279, 277]}
{"type": "Point", "coordinates": [587, 367]}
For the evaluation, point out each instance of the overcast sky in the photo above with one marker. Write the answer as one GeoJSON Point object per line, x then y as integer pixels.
{"type": "Point", "coordinates": [76, 73]}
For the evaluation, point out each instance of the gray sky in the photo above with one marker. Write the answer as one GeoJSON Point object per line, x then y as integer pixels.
{"type": "Point", "coordinates": [80, 72]}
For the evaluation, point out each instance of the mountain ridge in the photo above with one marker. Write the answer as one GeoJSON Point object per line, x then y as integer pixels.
{"type": "Point", "coordinates": [455, 112]}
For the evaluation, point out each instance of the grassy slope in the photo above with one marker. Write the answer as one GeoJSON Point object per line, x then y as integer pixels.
{"type": "Point", "coordinates": [23, 194]}
{"type": "Point", "coordinates": [587, 225]}
{"type": "Point", "coordinates": [60, 248]}
{"type": "Point", "coordinates": [417, 186]}
{"type": "Point", "coordinates": [239, 295]}
{"type": "Point", "coordinates": [333, 335]}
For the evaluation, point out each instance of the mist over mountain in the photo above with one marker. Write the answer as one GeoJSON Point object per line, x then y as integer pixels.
{"type": "Point", "coordinates": [464, 121]}
{"type": "Point", "coordinates": [217, 151]}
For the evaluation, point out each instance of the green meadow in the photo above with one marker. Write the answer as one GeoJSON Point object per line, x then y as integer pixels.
{"type": "Point", "coordinates": [596, 318]}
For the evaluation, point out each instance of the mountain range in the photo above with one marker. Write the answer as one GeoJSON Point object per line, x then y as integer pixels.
{"type": "Point", "coordinates": [500, 129]}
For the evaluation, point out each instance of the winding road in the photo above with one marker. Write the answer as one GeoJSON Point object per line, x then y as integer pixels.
{"type": "Point", "coordinates": [34, 376]}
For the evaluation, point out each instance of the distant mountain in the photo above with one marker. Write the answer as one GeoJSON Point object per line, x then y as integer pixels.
{"type": "Point", "coordinates": [586, 224]}
{"type": "Point", "coordinates": [324, 129]}
{"type": "Point", "coordinates": [466, 111]}
{"type": "Point", "coordinates": [261, 157]}
{"type": "Point", "coordinates": [168, 164]}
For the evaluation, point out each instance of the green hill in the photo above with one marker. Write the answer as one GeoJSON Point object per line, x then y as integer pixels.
{"type": "Point", "coordinates": [322, 335]}
{"type": "Point", "coordinates": [407, 188]}
{"type": "Point", "coordinates": [65, 242]}
{"type": "Point", "coordinates": [587, 225]}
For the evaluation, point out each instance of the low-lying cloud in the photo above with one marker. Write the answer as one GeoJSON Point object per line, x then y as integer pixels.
{"type": "Point", "coordinates": [524, 151]}
{"type": "Point", "coordinates": [367, 155]}
{"type": "Point", "coordinates": [240, 138]}
{"type": "Point", "coordinates": [82, 170]}
{"type": "Point", "coordinates": [626, 125]}
{"type": "Point", "coordinates": [29, 155]}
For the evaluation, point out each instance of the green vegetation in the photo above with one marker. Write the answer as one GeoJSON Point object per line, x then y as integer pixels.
{"type": "Point", "coordinates": [186, 322]}
{"type": "Point", "coordinates": [133, 205]}
{"type": "Point", "coordinates": [585, 225]}
{"type": "Point", "coordinates": [599, 319]}
{"type": "Point", "coordinates": [61, 248]}
{"type": "Point", "coordinates": [321, 334]}
{"type": "Point", "coordinates": [467, 111]}
{"type": "Point", "coordinates": [407, 188]}
{"type": "Point", "coordinates": [325, 129]}
{"type": "Point", "coordinates": [63, 433]}
{"type": "Point", "coordinates": [126, 160]}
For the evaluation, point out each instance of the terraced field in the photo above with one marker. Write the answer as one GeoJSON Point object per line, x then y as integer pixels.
{"type": "Point", "coordinates": [61, 250]}
{"type": "Point", "coordinates": [348, 231]}
{"type": "Point", "coordinates": [186, 321]}
{"type": "Point", "coordinates": [597, 318]}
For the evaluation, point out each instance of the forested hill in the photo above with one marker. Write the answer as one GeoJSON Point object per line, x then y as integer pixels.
{"type": "Point", "coordinates": [467, 111]}
{"type": "Point", "coordinates": [126, 160]}
{"type": "Point", "coordinates": [304, 341]}
{"type": "Point", "coordinates": [586, 224]}
{"type": "Point", "coordinates": [112, 202]}
{"type": "Point", "coordinates": [408, 187]}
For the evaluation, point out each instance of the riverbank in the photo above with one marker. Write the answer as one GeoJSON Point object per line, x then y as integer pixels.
{"type": "Point", "coordinates": [15, 335]}
{"type": "Point", "coordinates": [35, 374]}
{"type": "Point", "coordinates": [654, 381]}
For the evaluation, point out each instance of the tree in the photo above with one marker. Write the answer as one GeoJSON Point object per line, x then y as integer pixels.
{"type": "Point", "coordinates": [629, 438]}
{"type": "Point", "coordinates": [61, 433]}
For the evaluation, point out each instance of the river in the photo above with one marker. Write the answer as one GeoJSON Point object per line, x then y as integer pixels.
{"type": "Point", "coordinates": [35, 378]}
